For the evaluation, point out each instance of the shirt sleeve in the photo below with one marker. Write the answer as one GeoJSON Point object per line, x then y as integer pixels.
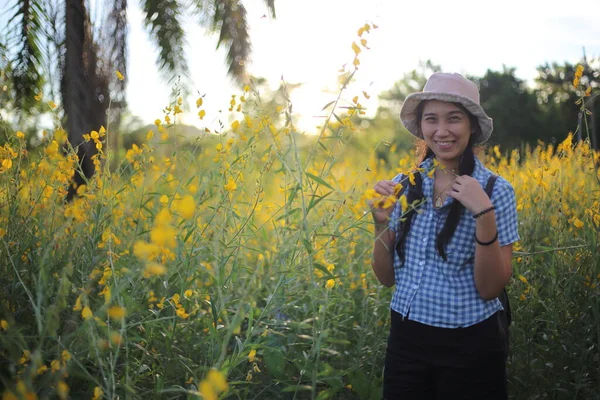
{"type": "Point", "coordinates": [503, 198]}
{"type": "Point", "coordinates": [397, 211]}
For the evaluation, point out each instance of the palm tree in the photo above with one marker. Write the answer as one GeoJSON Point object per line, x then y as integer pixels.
{"type": "Point", "coordinates": [89, 54]}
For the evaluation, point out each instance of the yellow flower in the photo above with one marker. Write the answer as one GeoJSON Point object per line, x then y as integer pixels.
{"type": "Point", "coordinates": [77, 306]}
{"type": "Point", "coordinates": [4, 325]}
{"type": "Point", "coordinates": [42, 369]}
{"type": "Point", "coordinates": [145, 251]}
{"type": "Point", "coordinates": [98, 393]}
{"type": "Point", "coordinates": [52, 105]}
{"type": "Point", "coordinates": [25, 357]}
{"type": "Point", "coordinates": [119, 75]}
{"type": "Point", "coordinates": [578, 223]}
{"type": "Point", "coordinates": [55, 365]}
{"type": "Point", "coordinates": [363, 29]}
{"type": "Point", "coordinates": [187, 207]}
{"type": "Point", "coordinates": [65, 355]}
{"type": "Point", "coordinates": [188, 293]}
{"type": "Point", "coordinates": [404, 203]}
{"type": "Point", "coordinates": [231, 185]}
{"type": "Point", "coordinates": [218, 380]}
{"type": "Point", "coordinates": [330, 283]}
{"type": "Point", "coordinates": [154, 269]}
{"type": "Point", "coordinates": [164, 236]}
{"type": "Point", "coordinates": [251, 355]}
{"type": "Point", "coordinates": [523, 279]}
{"type": "Point", "coordinates": [371, 194]}
{"type": "Point", "coordinates": [164, 199]}
{"type": "Point", "coordinates": [20, 135]}
{"type": "Point", "coordinates": [411, 178]}
{"type": "Point", "coordinates": [94, 135]}
{"type": "Point", "coordinates": [163, 217]}
{"type": "Point", "coordinates": [201, 114]}
{"type": "Point", "coordinates": [181, 313]}
{"type": "Point", "coordinates": [355, 48]}
{"type": "Point", "coordinates": [199, 102]}
{"type": "Point", "coordinates": [235, 125]}
{"type": "Point", "coordinates": [86, 313]}
{"type": "Point", "coordinates": [62, 389]}
{"type": "Point", "coordinates": [117, 313]}
{"type": "Point", "coordinates": [207, 391]}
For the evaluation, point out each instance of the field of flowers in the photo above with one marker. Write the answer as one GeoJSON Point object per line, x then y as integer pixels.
{"type": "Point", "coordinates": [238, 266]}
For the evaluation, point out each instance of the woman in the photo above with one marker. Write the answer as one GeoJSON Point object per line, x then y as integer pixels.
{"type": "Point", "coordinates": [451, 259]}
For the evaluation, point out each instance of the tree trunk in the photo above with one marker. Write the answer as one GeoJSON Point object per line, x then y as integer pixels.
{"type": "Point", "coordinates": [84, 91]}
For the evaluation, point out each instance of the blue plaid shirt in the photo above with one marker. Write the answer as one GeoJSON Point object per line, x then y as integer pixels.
{"type": "Point", "coordinates": [442, 293]}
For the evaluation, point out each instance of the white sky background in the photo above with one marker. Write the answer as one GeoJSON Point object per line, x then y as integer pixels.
{"type": "Point", "coordinates": [310, 40]}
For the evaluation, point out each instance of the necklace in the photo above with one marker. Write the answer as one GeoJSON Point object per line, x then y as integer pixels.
{"type": "Point", "coordinates": [438, 199]}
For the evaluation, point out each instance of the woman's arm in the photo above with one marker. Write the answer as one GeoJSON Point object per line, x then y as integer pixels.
{"type": "Point", "coordinates": [493, 263]}
{"type": "Point", "coordinates": [383, 255]}
{"type": "Point", "coordinates": [385, 239]}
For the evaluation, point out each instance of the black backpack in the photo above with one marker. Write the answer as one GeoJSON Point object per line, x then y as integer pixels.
{"type": "Point", "coordinates": [505, 317]}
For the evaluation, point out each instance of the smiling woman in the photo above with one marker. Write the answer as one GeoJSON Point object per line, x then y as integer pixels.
{"type": "Point", "coordinates": [452, 259]}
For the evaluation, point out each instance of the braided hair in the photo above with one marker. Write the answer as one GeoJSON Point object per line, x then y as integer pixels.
{"type": "Point", "coordinates": [465, 167]}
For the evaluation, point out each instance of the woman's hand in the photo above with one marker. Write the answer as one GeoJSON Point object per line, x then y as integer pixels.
{"type": "Point", "coordinates": [469, 192]}
{"type": "Point", "coordinates": [385, 189]}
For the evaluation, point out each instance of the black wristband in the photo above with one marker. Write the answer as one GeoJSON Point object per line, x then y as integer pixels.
{"type": "Point", "coordinates": [487, 243]}
{"type": "Point", "coordinates": [487, 210]}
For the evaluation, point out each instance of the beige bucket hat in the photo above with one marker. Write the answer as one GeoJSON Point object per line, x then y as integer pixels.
{"type": "Point", "coordinates": [451, 87]}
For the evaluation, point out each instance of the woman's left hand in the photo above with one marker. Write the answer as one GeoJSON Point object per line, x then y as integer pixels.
{"type": "Point", "coordinates": [469, 192]}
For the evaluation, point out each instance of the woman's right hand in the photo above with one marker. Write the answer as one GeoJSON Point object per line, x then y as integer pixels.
{"type": "Point", "coordinates": [385, 189]}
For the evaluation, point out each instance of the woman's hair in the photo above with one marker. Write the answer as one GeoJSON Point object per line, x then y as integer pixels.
{"type": "Point", "coordinates": [465, 167]}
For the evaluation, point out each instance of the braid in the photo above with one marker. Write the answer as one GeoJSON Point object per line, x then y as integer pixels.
{"type": "Point", "coordinates": [412, 194]}
{"type": "Point", "coordinates": [465, 167]}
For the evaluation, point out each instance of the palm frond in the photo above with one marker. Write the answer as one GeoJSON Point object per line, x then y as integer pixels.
{"type": "Point", "coordinates": [162, 18]}
{"type": "Point", "coordinates": [26, 29]}
{"type": "Point", "coordinates": [230, 17]}
{"type": "Point", "coordinates": [271, 6]}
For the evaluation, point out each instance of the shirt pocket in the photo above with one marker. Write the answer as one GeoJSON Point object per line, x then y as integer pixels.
{"type": "Point", "coordinates": [460, 256]}
{"type": "Point", "coordinates": [460, 252]}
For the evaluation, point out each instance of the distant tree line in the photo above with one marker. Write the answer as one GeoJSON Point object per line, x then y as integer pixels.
{"type": "Point", "coordinates": [523, 112]}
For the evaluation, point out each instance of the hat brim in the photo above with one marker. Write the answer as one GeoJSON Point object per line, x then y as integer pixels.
{"type": "Point", "coordinates": [408, 113]}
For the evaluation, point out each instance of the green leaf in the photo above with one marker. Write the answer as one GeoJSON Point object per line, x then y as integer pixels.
{"type": "Point", "coordinates": [327, 105]}
{"type": "Point", "coordinates": [314, 202]}
{"type": "Point", "coordinates": [275, 362]}
{"type": "Point", "coordinates": [296, 388]}
{"type": "Point", "coordinates": [318, 180]}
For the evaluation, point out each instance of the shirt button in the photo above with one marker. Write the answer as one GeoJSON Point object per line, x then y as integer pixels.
{"type": "Point", "coordinates": [424, 240]}
{"type": "Point", "coordinates": [422, 263]}
{"type": "Point", "coordinates": [415, 286]}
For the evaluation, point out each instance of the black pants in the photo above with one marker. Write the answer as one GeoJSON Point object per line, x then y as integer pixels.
{"type": "Point", "coordinates": [427, 362]}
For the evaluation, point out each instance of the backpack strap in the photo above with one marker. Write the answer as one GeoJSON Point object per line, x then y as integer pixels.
{"type": "Point", "coordinates": [489, 188]}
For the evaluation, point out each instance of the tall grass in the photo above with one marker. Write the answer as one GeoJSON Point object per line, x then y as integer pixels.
{"type": "Point", "coordinates": [238, 265]}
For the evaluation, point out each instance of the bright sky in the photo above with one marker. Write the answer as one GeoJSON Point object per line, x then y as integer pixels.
{"type": "Point", "coordinates": [310, 40]}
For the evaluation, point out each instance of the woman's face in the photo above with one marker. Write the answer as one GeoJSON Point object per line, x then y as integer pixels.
{"type": "Point", "coordinates": [446, 129]}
